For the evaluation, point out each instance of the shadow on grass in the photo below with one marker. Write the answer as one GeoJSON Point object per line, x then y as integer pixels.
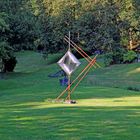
{"type": "Point", "coordinates": [14, 75]}
{"type": "Point", "coordinates": [41, 92]}
{"type": "Point", "coordinates": [71, 123]}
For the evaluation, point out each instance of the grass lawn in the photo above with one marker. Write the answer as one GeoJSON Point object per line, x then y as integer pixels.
{"type": "Point", "coordinates": [120, 76]}
{"type": "Point", "coordinates": [102, 112]}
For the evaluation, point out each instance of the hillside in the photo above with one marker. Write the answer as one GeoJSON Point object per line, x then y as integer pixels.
{"type": "Point", "coordinates": [120, 76]}
{"type": "Point", "coordinates": [101, 112]}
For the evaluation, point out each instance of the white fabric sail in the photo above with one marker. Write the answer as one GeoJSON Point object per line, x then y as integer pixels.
{"type": "Point", "coordinates": [69, 63]}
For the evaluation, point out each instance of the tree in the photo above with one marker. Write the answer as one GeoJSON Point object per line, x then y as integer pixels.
{"type": "Point", "coordinates": [131, 16]}
{"type": "Point", "coordinates": [6, 54]}
{"type": "Point", "coordinates": [104, 25]}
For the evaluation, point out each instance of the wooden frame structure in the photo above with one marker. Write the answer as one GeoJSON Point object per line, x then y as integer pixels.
{"type": "Point", "coordinates": [83, 73]}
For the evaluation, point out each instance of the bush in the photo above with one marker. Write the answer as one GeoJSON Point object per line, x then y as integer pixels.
{"type": "Point", "coordinates": [114, 57]}
{"type": "Point", "coordinates": [118, 55]}
{"type": "Point", "coordinates": [9, 64]}
{"type": "Point", "coordinates": [133, 89]}
{"type": "Point", "coordinates": [129, 57]}
{"type": "Point", "coordinates": [108, 59]}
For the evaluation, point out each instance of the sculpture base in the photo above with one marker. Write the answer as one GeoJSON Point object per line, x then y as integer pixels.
{"type": "Point", "coordinates": [70, 102]}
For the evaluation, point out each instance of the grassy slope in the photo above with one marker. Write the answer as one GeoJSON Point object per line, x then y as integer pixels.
{"type": "Point", "coordinates": [124, 76]}
{"type": "Point", "coordinates": [102, 113]}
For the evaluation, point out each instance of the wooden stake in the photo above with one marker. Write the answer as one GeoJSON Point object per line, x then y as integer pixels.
{"type": "Point", "coordinates": [69, 90]}
{"type": "Point", "coordinates": [69, 75]}
{"type": "Point", "coordinates": [69, 41]}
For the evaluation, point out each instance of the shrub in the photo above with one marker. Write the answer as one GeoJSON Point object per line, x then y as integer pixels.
{"type": "Point", "coordinates": [9, 64]}
{"type": "Point", "coordinates": [114, 57]}
{"type": "Point", "coordinates": [118, 55]}
{"type": "Point", "coordinates": [129, 57]}
{"type": "Point", "coordinates": [133, 89]}
{"type": "Point", "coordinates": [108, 59]}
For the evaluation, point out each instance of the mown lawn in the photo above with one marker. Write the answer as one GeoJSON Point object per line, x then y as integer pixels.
{"type": "Point", "coordinates": [120, 76]}
{"type": "Point", "coordinates": [101, 113]}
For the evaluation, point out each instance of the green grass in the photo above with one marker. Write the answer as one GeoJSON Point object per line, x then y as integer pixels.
{"type": "Point", "coordinates": [120, 76]}
{"type": "Point", "coordinates": [101, 113]}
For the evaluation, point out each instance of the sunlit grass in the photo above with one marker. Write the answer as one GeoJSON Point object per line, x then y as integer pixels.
{"type": "Point", "coordinates": [135, 71]}
{"type": "Point", "coordinates": [28, 110]}
{"type": "Point", "coordinates": [119, 76]}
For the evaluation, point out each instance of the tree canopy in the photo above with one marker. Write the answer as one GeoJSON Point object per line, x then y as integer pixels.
{"type": "Point", "coordinates": [107, 25]}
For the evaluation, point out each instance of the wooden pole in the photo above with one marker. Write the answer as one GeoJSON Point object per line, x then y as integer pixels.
{"type": "Point", "coordinates": [69, 77]}
{"type": "Point", "coordinates": [69, 41]}
{"type": "Point", "coordinates": [69, 88]}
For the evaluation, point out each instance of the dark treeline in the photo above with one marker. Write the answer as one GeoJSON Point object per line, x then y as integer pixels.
{"type": "Point", "coordinates": [111, 26]}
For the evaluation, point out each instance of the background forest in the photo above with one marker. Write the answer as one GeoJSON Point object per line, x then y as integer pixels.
{"type": "Point", "coordinates": [109, 26]}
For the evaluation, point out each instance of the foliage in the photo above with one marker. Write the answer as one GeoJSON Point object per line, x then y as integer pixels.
{"type": "Point", "coordinates": [104, 25]}
{"type": "Point", "coordinates": [4, 27]}
{"type": "Point", "coordinates": [5, 50]}
{"type": "Point", "coordinates": [8, 61]}
{"type": "Point", "coordinates": [129, 57]}
{"type": "Point", "coordinates": [108, 59]}
{"type": "Point", "coordinates": [114, 57]}
{"type": "Point", "coordinates": [9, 64]}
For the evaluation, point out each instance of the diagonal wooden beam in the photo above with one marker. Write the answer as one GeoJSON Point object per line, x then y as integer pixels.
{"type": "Point", "coordinates": [77, 77]}
{"type": "Point", "coordinates": [92, 63]}
{"type": "Point", "coordinates": [80, 49]}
